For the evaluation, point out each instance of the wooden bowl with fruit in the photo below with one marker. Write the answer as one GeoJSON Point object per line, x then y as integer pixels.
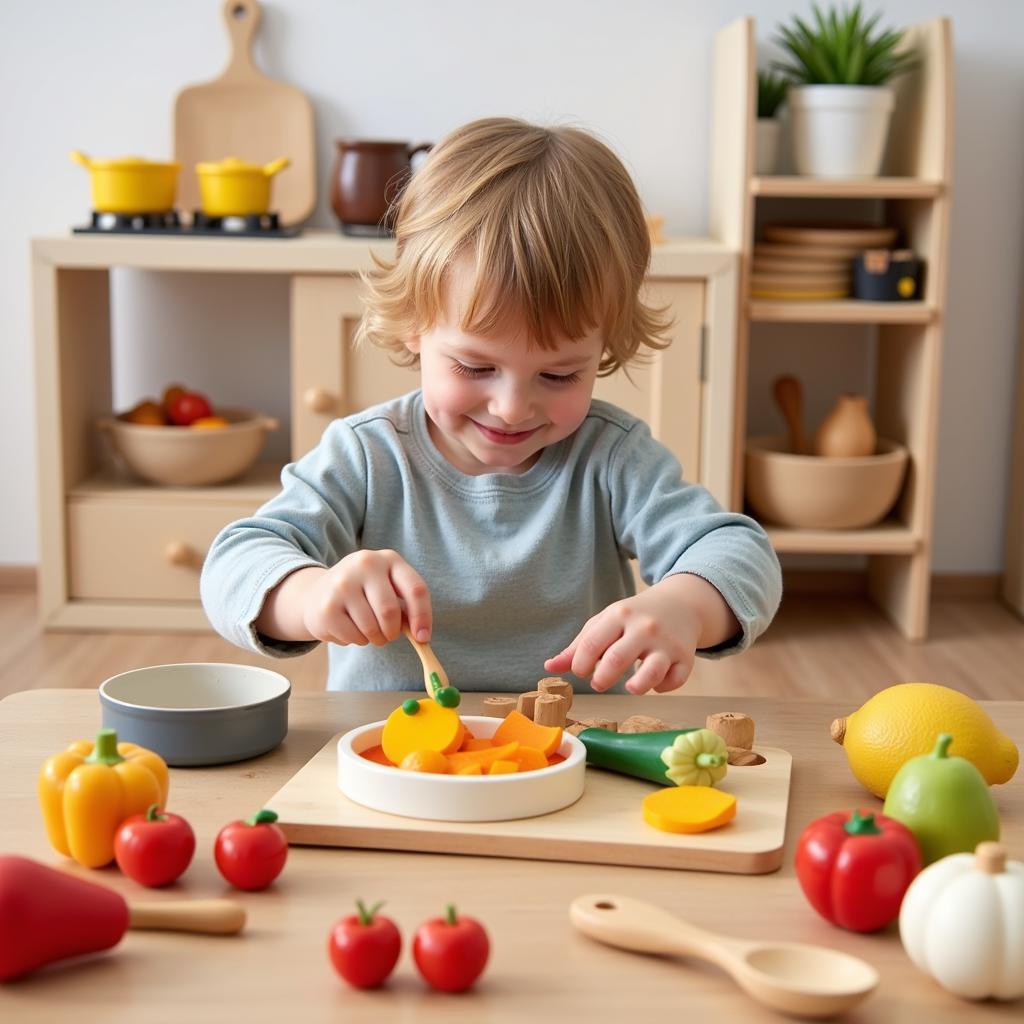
{"type": "Point", "coordinates": [184, 441]}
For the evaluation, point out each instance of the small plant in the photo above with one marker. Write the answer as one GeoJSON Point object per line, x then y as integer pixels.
{"type": "Point", "coordinates": [771, 92]}
{"type": "Point", "coordinates": [842, 48]}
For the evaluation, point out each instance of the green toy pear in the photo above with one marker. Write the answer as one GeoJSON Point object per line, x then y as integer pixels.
{"type": "Point", "coordinates": [945, 801]}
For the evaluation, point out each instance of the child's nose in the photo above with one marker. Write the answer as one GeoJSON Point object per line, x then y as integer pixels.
{"type": "Point", "coordinates": [512, 404]}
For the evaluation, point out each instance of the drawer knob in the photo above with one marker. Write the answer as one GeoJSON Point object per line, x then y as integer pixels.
{"type": "Point", "coordinates": [179, 553]}
{"type": "Point", "coordinates": [318, 400]}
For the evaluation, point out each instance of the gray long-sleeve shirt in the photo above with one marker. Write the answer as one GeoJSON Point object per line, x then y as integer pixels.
{"type": "Point", "coordinates": [515, 564]}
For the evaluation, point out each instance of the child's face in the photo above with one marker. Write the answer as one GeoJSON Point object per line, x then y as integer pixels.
{"type": "Point", "coordinates": [494, 403]}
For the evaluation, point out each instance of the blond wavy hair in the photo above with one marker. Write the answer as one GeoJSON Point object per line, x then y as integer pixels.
{"type": "Point", "coordinates": [553, 228]}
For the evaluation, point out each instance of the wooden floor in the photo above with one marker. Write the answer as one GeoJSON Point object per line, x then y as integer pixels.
{"type": "Point", "coordinates": [818, 647]}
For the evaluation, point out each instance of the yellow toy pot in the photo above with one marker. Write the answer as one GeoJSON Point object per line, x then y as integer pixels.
{"type": "Point", "coordinates": [131, 184]}
{"type": "Point", "coordinates": [234, 188]}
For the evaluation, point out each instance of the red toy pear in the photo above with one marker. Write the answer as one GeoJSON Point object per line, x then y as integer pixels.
{"type": "Point", "coordinates": [48, 915]}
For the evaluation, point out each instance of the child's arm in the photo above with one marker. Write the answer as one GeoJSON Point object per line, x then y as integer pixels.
{"type": "Point", "coordinates": [358, 601]}
{"type": "Point", "coordinates": [663, 628]}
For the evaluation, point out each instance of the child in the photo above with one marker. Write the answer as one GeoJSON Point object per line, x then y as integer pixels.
{"type": "Point", "coordinates": [497, 508]}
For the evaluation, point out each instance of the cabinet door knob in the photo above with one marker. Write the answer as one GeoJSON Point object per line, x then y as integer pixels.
{"type": "Point", "coordinates": [178, 553]}
{"type": "Point", "coordinates": [318, 400]}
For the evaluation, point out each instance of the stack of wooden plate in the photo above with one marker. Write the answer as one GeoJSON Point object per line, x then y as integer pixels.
{"type": "Point", "coordinates": [803, 262]}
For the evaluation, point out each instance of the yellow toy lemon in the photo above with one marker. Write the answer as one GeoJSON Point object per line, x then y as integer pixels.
{"type": "Point", "coordinates": [902, 721]}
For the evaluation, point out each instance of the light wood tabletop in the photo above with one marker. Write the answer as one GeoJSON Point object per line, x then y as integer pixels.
{"type": "Point", "coordinates": [540, 968]}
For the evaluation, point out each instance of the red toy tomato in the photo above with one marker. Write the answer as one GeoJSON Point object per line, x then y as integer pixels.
{"type": "Point", "coordinates": [450, 952]}
{"type": "Point", "coordinates": [854, 868]}
{"type": "Point", "coordinates": [188, 406]}
{"type": "Point", "coordinates": [364, 947]}
{"type": "Point", "coordinates": [250, 854]}
{"type": "Point", "coordinates": [154, 848]}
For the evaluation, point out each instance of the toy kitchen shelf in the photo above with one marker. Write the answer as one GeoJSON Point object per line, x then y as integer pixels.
{"type": "Point", "coordinates": [120, 554]}
{"type": "Point", "coordinates": [905, 338]}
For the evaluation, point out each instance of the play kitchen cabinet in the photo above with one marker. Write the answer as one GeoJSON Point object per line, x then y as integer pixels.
{"type": "Point", "coordinates": [117, 553]}
{"type": "Point", "coordinates": [900, 342]}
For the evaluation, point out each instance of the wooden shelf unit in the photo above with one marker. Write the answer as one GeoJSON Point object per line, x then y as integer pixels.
{"type": "Point", "coordinates": [913, 193]}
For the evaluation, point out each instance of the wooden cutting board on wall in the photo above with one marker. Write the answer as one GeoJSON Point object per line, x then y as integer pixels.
{"type": "Point", "coordinates": [246, 114]}
{"type": "Point", "coordinates": [605, 826]}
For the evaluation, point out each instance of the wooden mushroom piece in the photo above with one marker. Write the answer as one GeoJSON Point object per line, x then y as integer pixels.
{"type": "Point", "coordinates": [557, 685]}
{"type": "Point", "coordinates": [734, 727]}
{"type": "Point", "coordinates": [499, 707]}
{"type": "Point", "coordinates": [550, 709]}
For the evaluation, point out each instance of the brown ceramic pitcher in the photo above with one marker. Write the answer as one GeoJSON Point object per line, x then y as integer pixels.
{"type": "Point", "coordinates": [366, 178]}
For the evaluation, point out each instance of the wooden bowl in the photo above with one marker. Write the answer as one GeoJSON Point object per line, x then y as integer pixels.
{"type": "Point", "coordinates": [819, 492]}
{"type": "Point", "coordinates": [458, 797]}
{"type": "Point", "coordinates": [187, 456]}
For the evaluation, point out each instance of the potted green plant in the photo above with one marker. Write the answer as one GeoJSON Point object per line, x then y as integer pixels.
{"type": "Point", "coordinates": [771, 93]}
{"type": "Point", "coordinates": [839, 104]}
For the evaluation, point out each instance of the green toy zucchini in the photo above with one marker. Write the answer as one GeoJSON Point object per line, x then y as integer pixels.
{"type": "Point", "coordinates": [663, 757]}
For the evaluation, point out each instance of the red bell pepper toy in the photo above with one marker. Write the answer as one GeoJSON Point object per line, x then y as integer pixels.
{"type": "Point", "coordinates": [855, 866]}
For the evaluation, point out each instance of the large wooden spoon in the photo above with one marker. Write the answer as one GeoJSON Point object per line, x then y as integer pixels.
{"type": "Point", "coordinates": [790, 400]}
{"type": "Point", "coordinates": [435, 678]}
{"type": "Point", "coordinates": [798, 979]}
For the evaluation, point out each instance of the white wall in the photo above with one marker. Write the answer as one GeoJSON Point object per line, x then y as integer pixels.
{"type": "Point", "coordinates": [102, 77]}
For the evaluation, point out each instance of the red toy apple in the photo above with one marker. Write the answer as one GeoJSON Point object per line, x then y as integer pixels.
{"type": "Point", "coordinates": [364, 947]}
{"type": "Point", "coordinates": [451, 951]}
{"type": "Point", "coordinates": [188, 407]}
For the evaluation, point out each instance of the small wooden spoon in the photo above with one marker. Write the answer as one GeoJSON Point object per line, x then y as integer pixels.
{"type": "Point", "coordinates": [211, 917]}
{"type": "Point", "coordinates": [434, 676]}
{"type": "Point", "coordinates": [790, 400]}
{"type": "Point", "coordinates": [798, 979]}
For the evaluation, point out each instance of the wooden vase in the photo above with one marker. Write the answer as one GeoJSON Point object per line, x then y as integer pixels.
{"type": "Point", "coordinates": [847, 431]}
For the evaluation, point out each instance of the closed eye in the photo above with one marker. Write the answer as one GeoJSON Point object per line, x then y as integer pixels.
{"type": "Point", "coordinates": [469, 371]}
{"type": "Point", "coordinates": [561, 378]}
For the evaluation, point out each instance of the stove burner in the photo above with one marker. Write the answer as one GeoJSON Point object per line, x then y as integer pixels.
{"type": "Point", "coordinates": [255, 225]}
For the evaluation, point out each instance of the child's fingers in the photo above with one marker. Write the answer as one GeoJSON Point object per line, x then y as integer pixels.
{"type": "Point", "coordinates": [410, 587]}
{"type": "Point", "coordinates": [561, 661]}
{"type": "Point", "coordinates": [677, 676]}
{"type": "Point", "coordinates": [363, 618]}
{"type": "Point", "coordinates": [614, 662]}
{"type": "Point", "coordinates": [651, 674]}
{"type": "Point", "coordinates": [595, 638]}
{"type": "Point", "coordinates": [386, 607]}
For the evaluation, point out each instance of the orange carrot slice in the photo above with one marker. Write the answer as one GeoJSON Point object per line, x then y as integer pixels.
{"type": "Point", "coordinates": [517, 727]}
{"type": "Point", "coordinates": [501, 767]}
{"type": "Point", "coordinates": [529, 759]}
{"type": "Point", "coordinates": [484, 758]}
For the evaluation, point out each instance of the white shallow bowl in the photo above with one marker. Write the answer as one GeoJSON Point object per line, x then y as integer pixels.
{"type": "Point", "coordinates": [200, 713]}
{"type": "Point", "coordinates": [458, 797]}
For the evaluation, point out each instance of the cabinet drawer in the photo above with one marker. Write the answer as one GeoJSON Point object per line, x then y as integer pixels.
{"type": "Point", "coordinates": [142, 550]}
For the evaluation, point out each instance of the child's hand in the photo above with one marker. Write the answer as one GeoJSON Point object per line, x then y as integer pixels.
{"type": "Point", "coordinates": [662, 628]}
{"type": "Point", "coordinates": [361, 599]}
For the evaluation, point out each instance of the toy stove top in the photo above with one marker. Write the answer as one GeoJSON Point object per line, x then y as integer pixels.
{"type": "Point", "coordinates": [254, 225]}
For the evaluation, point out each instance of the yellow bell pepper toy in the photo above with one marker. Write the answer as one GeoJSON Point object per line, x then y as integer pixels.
{"type": "Point", "coordinates": [86, 791]}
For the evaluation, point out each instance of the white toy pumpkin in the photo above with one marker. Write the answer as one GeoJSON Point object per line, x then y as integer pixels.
{"type": "Point", "coordinates": [962, 922]}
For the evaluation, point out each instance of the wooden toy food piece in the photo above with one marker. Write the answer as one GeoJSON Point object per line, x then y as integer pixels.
{"type": "Point", "coordinates": [557, 685]}
{"type": "Point", "coordinates": [498, 707]}
{"type": "Point", "coordinates": [689, 809]}
{"type": "Point", "coordinates": [525, 703]}
{"type": "Point", "coordinates": [420, 725]}
{"type": "Point", "coordinates": [643, 723]}
{"type": "Point", "coordinates": [48, 915]}
{"type": "Point", "coordinates": [550, 709]}
{"type": "Point", "coordinates": [484, 758]}
{"type": "Point", "coordinates": [734, 727]}
{"type": "Point", "coordinates": [636, 754]}
{"type": "Point", "coordinates": [518, 728]}
{"type": "Point", "coordinates": [593, 723]}
{"type": "Point", "coordinates": [696, 758]}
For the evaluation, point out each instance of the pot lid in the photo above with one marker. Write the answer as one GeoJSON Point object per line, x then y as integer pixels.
{"type": "Point", "coordinates": [233, 165]}
{"type": "Point", "coordinates": [124, 163]}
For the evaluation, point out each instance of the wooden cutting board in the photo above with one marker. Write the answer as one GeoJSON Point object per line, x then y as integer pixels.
{"type": "Point", "coordinates": [604, 826]}
{"type": "Point", "coordinates": [245, 114]}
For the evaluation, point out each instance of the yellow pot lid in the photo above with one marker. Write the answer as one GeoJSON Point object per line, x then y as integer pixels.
{"type": "Point", "coordinates": [233, 165]}
{"type": "Point", "coordinates": [123, 163]}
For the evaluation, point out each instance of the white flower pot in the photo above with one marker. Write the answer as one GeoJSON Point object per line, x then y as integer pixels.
{"type": "Point", "coordinates": [766, 145]}
{"type": "Point", "coordinates": [839, 131]}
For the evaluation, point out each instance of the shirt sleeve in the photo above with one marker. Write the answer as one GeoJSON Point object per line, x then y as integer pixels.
{"type": "Point", "coordinates": [315, 520]}
{"type": "Point", "coordinates": [671, 526]}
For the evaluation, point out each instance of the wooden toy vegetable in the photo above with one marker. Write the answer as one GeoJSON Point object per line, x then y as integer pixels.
{"type": "Point", "coordinates": [47, 915]}
{"type": "Point", "coordinates": [250, 854]}
{"type": "Point", "coordinates": [451, 951]}
{"type": "Point", "coordinates": [854, 868]}
{"type": "Point", "coordinates": [154, 848]}
{"type": "Point", "coordinates": [697, 758]}
{"type": "Point", "coordinates": [637, 753]}
{"type": "Point", "coordinates": [364, 947]}
{"type": "Point", "coordinates": [944, 801]}
{"type": "Point", "coordinates": [517, 728]}
{"type": "Point", "coordinates": [86, 791]}
{"type": "Point", "coordinates": [420, 725]}
{"type": "Point", "coordinates": [689, 809]}
{"type": "Point", "coordinates": [962, 922]}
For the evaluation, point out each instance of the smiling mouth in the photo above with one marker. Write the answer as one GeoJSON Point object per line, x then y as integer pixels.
{"type": "Point", "coordinates": [504, 436]}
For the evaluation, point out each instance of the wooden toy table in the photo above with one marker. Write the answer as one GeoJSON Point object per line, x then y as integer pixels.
{"type": "Point", "coordinates": [540, 967]}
